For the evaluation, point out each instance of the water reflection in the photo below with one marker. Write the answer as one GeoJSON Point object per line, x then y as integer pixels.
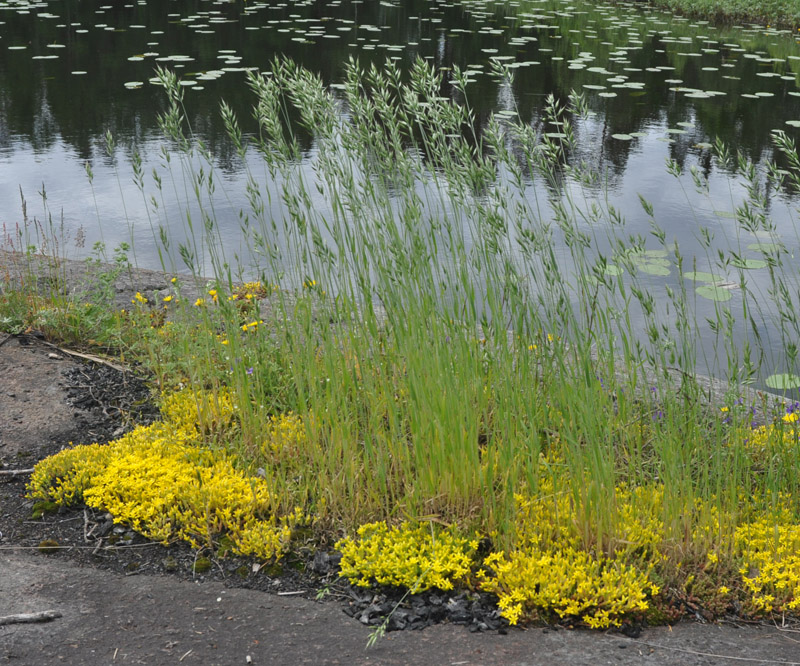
{"type": "Point", "coordinates": [660, 89]}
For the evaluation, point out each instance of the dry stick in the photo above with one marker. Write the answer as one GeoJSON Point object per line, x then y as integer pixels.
{"type": "Point", "coordinates": [87, 357]}
{"type": "Point", "coordinates": [15, 472]}
{"type": "Point", "coordinates": [20, 618]}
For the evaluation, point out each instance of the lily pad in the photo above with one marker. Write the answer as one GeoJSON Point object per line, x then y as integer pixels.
{"type": "Point", "coordinates": [783, 381]}
{"type": "Point", "coordinates": [622, 137]}
{"type": "Point", "coordinates": [702, 276]}
{"type": "Point", "coordinates": [750, 264]}
{"type": "Point", "coordinates": [713, 293]}
{"type": "Point", "coordinates": [612, 269]}
{"type": "Point", "coordinates": [652, 268]}
{"type": "Point", "coordinates": [765, 247]}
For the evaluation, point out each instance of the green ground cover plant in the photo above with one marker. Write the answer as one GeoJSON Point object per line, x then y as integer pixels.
{"type": "Point", "coordinates": [771, 12]}
{"type": "Point", "coordinates": [433, 363]}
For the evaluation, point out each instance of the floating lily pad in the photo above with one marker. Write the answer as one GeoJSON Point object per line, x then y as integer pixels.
{"type": "Point", "coordinates": [783, 381]}
{"type": "Point", "coordinates": [713, 293]}
{"type": "Point", "coordinates": [749, 264]}
{"type": "Point", "coordinates": [612, 269]}
{"type": "Point", "coordinates": [622, 137]}
{"type": "Point", "coordinates": [652, 268]}
{"type": "Point", "coordinates": [702, 276]}
{"type": "Point", "coordinates": [765, 247]}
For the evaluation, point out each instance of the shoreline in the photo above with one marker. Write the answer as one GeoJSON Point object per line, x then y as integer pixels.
{"type": "Point", "coordinates": [718, 12]}
{"type": "Point", "coordinates": [79, 279]}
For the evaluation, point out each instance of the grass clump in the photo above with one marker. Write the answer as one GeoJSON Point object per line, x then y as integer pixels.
{"type": "Point", "coordinates": [427, 350]}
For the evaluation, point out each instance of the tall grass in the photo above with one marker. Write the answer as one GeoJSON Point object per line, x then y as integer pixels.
{"type": "Point", "coordinates": [451, 325]}
{"type": "Point", "coordinates": [452, 342]}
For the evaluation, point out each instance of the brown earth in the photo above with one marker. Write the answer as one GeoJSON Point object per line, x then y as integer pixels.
{"type": "Point", "coordinates": [131, 601]}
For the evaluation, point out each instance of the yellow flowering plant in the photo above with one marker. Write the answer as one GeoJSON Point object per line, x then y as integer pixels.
{"type": "Point", "coordinates": [165, 484]}
{"type": "Point", "coordinates": [418, 557]}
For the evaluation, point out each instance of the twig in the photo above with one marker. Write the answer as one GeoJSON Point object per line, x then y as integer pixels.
{"type": "Point", "coordinates": [15, 472]}
{"type": "Point", "coordinates": [87, 357]}
{"type": "Point", "coordinates": [21, 618]}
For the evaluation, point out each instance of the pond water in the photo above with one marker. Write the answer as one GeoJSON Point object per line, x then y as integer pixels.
{"type": "Point", "coordinates": [74, 72]}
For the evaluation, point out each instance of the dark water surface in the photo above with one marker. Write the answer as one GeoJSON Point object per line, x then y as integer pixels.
{"type": "Point", "coordinates": [661, 88]}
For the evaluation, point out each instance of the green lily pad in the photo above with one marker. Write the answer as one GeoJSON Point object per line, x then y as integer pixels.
{"type": "Point", "coordinates": [653, 269]}
{"type": "Point", "coordinates": [783, 381]}
{"type": "Point", "coordinates": [622, 137]}
{"type": "Point", "coordinates": [701, 276]}
{"type": "Point", "coordinates": [749, 264]}
{"type": "Point", "coordinates": [612, 269]}
{"type": "Point", "coordinates": [765, 247]}
{"type": "Point", "coordinates": [713, 293]}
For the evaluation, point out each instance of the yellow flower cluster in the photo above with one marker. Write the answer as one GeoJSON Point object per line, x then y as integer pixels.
{"type": "Point", "coordinates": [286, 436]}
{"type": "Point", "coordinates": [161, 481]}
{"type": "Point", "coordinates": [770, 549]}
{"type": "Point", "coordinates": [640, 528]}
{"type": "Point", "coordinates": [568, 581]}
{"type": "Point", "coordinates": [251, 291]}
{"type": "Point", "coordinates": [418, 557]}
{"type": "Point", "coordinates": [548, 571]}
{"type": "Point", "coordinates": [198, 411]}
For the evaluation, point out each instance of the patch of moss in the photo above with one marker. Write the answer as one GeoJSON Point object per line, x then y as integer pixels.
{"type": "Point", "coordinates": [48, 546]}
{"type": "Point", "coordinates": [201, 565]}
{"type": "Point", "coordinates": [42, 508]}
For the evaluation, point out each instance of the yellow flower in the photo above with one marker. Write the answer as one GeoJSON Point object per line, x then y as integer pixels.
{"type": "Point", "coordinates": [167, 299]}
{"type": "Point", "coordinates": [790, 418]}
{"type": "Point", "coordinates": [199, 302]}
{"type": "Point", "coordinates": [139, 298]}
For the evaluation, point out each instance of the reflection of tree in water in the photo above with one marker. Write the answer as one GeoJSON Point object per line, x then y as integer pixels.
{"type": "Point", "coordinates": [43, 102]}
